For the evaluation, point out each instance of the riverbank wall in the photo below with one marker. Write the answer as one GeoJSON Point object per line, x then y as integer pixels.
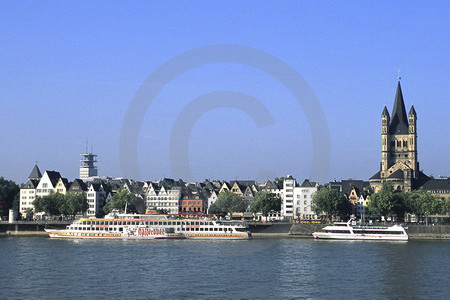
{"type": "Point", "coordinates": [28, 228]}
{"type": "Point", "coordinates": [258, 230]}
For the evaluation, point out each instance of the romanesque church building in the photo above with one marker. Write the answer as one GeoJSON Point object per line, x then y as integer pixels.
{"type": "Point", "coordinates": [399, 162]}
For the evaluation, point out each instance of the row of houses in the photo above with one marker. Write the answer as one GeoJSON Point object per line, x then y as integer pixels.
{"type": "Point", "coordinates": [171, 196]}
{"type": "Point", "coordinates": [179, 197]}
{"type": "Point", "coordinates": [38, 185]}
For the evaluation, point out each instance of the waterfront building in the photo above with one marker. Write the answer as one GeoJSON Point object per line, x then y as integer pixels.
{"type": "Point", "coordinates": [164, 196]}
{"type": "Point", "coordinates": [363, 202]}
{"type": "Point", "coordinates": [62, 186]}
{"type": "Point", "coordinates": [273, 187]}
{"type": "Point", "coordinates": [77, 186]}
{"type": "Point", "coordinates": [399, 159]}
{"type": "Point", "coordinates": [303, 196]}
{"type": "Point", "coordinates": [297, 199]}
{"type": "Point", "coordinates": [212, 198]}
{"type": "Point", "coordinates": [47, 184]}
{"type": "Point", "coordinates": [287, 204]}
{"type": "Point", "coordinates": [97, 196]}
{"type": "Point", "coordinates": [28, 192]}
{"type": "Point", "coordinates": [438, 187]}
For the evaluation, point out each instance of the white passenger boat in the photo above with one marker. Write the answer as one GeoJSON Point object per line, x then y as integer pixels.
{"type": "Point", "coordinates": [134, 226]}
{"type": "Point", "coordinates": [347, 231]}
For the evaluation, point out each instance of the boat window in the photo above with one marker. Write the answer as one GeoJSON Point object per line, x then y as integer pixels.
{"type": "Point", "coordinates": [338, 231]}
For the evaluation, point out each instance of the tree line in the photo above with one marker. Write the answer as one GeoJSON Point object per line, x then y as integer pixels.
{"type": "Point", "coordinates": [385, 203]}
{"type": "Point", "coordinates": [57, 204]}
{"type": "Point", "coordinates": [227, 202]}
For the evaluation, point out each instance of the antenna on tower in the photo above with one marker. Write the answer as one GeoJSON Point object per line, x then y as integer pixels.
{"type": "Point", "coordinates": [86, 145]}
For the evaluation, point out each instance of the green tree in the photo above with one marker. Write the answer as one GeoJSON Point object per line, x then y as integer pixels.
{"type": "Point", "coordinates": [421, 202]}
{"type": "Point", "coordinates": [119, 200]}
{"type": "Point", "coordinates": [29, 213]}
{"type": "Point", "coordinates": [74, 203]}
{"type": "Point", "coordinates": [279, 180]}
{"type": "Point", "coordinates": [265, 202]}
{"type": "Point", "coordinates": [228, 202]}
{"type": "Point", "coordinates": [8, 190]}
{"type": "Point", "coordinates": [50, 204]}
{"type": "Point", "coordinates": [388, 202]}
{"type": "Point", "coordinates": [331, 202]}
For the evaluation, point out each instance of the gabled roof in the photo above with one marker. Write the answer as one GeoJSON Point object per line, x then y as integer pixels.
{"type": "Point", "coordinates": [399, 121]}
{"type": "Point", "coordinates": [77, 186]}
{"type": "Point", "coordinates": [65, 182]}
{"type": "Point", "coordinates": [35, 173]}
{"type": "Point", "coordinates": [397, 174]}
{"type": "Point", "coordinates": [53, 176]}
{"type": "Point", "coordinates": [377, 175]}
{"type": "Point", "coordinates": [31, 184]}
{"type": "Point", "coordinates": [437, 184]}
{"type": "Point", "coordinates": [95, 186]}
{"type": "Point", "coordinates": [306, 183]}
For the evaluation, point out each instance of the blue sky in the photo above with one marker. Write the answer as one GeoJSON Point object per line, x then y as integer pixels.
{"type": "Point", "coordinates": [69, 71]}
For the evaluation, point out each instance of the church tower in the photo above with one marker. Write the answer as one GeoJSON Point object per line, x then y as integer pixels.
{"type": "Point", "coordinates": [399, 163]}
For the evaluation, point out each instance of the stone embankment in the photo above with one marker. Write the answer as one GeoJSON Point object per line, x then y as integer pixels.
{"type": "Point", "coordinates": [30, 227]}
{"type": "Point", "coordinates": [259, 230]}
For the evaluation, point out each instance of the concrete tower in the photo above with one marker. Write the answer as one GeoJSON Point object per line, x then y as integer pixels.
{"type": "Point", "coordinates": [87, 168]}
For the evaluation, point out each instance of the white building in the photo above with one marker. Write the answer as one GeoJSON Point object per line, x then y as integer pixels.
{"type": "Point", "coordinates": [97, 195]}
{"type": "Point", "coordinates": [362, 204]}
{"type": "Point", "coordinates": [297, 199]}
{"type": "Point", "coordinates": [287, 204]}
{"type": "Point", "coordinates": [28, 191]}
{"type": "Point", "coordinates": [211, 199]}
{"type": "Point", "coordinates": [303, 195]}
{"type": "Point", "coordinates": [162, 198]}
{"type": "Point", "coordinates": [47, 184]}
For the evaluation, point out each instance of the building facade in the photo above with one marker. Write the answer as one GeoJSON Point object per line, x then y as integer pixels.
{"type": "Point", "coordinates": [28, 192]}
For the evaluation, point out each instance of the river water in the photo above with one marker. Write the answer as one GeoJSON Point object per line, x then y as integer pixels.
{"type": "Point", "coordinates": [290, 268]}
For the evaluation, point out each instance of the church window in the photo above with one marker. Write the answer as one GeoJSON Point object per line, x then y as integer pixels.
{"type": "Point", "coordinates": [405, 143]}
{"type": "Point", "coordinates": [399, 143]}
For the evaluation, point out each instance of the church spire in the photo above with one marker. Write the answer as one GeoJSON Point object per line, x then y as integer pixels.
{"type": "Point", "coordinates": [399, 121]}
{"type": "Point", "coordinates": [385, 112]}
{"type": "Point", "coordinates": [35, 173]}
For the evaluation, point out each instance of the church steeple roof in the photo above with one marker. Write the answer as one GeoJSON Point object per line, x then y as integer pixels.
{"type": "Point", "coordinates": [399, 121]}
{"type": "Point", "coordinates": [412, 111]}
{"type": "Point", "coordinates": [35, 173]}
{"type": "Point", "coordinates": [385, 112]}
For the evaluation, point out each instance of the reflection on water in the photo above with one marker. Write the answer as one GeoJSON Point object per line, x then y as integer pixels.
{"type": "Point", "coordinates": [282, 268]}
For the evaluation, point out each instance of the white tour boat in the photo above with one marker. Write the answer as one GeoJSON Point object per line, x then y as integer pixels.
{"type": "Point", "coordinates": [134, 226]}
{"type": "Point", "coordinates": [351, 231]}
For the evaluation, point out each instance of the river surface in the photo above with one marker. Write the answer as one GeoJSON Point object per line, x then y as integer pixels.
{"type": "Point", "coordinates": [291, 268]}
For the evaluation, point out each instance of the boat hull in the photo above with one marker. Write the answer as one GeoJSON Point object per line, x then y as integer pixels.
{"type": "Point", "coordinates": [65, 234]}
{"type": "Point", "coordinates": [321, 235]}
